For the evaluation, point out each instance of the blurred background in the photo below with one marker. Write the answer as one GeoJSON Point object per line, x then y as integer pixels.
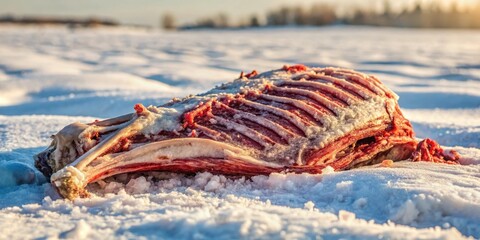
{"type": "Point", "coordinates": [191, 14]}
{"type": "Point", "coordinates": [100, 58]}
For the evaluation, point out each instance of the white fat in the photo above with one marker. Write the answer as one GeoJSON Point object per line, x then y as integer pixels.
{"type": "Point", "coordinates": [241, 85]}
{"type": "Point", "coordinates": [350, 118]}
{"type": "Point", "coordinates": [160, 118]}
{"type": "Point", "coordinates": [246, 158]}
{"type": "Point", "coordinates": [189, 151]}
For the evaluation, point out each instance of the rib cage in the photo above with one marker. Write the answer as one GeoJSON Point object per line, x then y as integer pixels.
{"type": "Point", "coordinates": [295, 119]}
{"type": "Point", "coordinates": [305, 101]}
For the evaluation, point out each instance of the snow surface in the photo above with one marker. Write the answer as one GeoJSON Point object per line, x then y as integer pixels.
{"type": "Point", "coordinates": [50, 77]}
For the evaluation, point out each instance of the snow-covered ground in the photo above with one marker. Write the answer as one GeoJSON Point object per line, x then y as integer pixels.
{"type": "Point", "coordinates": [51, 77]}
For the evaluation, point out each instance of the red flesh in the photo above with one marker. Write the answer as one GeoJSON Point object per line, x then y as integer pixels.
{"type": "Point", "coordinates": [295, 68]}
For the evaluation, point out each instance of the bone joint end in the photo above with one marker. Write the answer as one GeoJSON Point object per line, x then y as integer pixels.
{"type": "Point", "coordinates": [70, 182]}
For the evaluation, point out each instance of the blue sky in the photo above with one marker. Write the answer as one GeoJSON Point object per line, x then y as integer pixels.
{"type": "Point", "coordinates": [149, 11]}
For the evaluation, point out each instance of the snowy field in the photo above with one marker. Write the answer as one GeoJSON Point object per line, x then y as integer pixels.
{"type": "Point", "coordinates": [51, 77]}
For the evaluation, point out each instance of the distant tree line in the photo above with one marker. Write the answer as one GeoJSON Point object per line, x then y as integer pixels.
{"type": "Point", "coordinates": [430, 16]}
{"type": "Point", "coordinates": [72, 22]}
{"type": "Point", "coordinates": [420, 16]}
{"type": "Point", "coordinates": [220, 20]}
{"type": "Point", "coordinates": [316, 15]}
